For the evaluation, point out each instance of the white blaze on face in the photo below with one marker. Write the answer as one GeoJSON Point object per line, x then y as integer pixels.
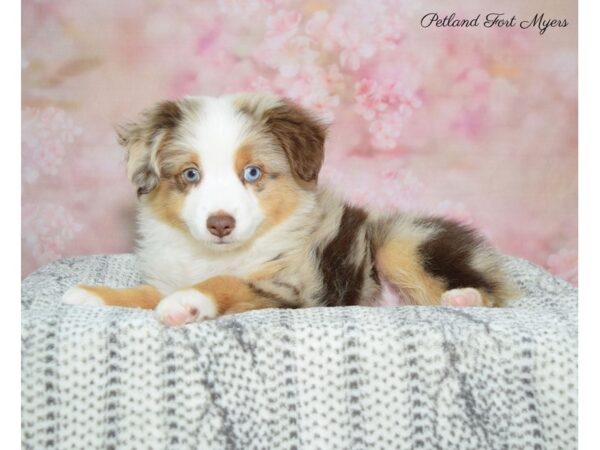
{"type": "Point", "coordinates": [216, 136]}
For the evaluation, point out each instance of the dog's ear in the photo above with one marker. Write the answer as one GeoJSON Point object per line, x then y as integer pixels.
{"type": "Point", "coordinates": [300, 135]}
{"type": "Point", "coordinates": [142, 140]}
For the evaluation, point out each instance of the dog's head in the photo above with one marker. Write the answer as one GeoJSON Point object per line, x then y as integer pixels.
{"type": "Point", "coordinates": [224, 169]}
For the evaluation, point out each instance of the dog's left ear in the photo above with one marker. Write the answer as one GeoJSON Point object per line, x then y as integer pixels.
{"type": "Point", "coordinates": [300, 135]}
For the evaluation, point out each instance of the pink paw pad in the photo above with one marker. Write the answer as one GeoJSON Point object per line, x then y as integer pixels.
{"type": "Point", "coordinates": [175, 319]}
{"type": "Point", "coordinates": [462, 297]}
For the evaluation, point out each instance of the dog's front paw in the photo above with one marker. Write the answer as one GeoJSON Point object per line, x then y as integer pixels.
{"type": "Point", "coordinates": [185, 306]}
{"type": "Point", "coordinates": [80, 296]}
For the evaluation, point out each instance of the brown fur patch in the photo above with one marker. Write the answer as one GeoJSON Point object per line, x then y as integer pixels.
{"type": "Point", "coordinates": [166, 201]}
{"type": "Point", "coordinates": [142, 140]}
{"type": "Point", "coordinates": [278, 200]}
{"type": "Point", "coordinates": [143, 296]}
{"type": "Point", "coordinates": [165, 116]}
{"type": "Point", "coordinates": [296, 131]}
{"type": "Point", "coordinates": [448, 254]}
{"type": "Point", "coordinates": [300, 135]}
{"type": "Point", "coordinates": [343, 278]}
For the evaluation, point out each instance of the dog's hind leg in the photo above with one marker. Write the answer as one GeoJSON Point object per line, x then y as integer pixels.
{"type": "Point", "coordinates": [432, 261]}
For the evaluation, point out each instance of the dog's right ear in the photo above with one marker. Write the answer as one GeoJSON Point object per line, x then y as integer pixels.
{"type": "Point", "coordinates": [142, 140]}
{"type": "Point", "coordinates": [300, 134]}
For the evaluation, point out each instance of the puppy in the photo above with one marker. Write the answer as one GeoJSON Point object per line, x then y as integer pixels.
{"type": "Point", "coordinates": [231, 219]}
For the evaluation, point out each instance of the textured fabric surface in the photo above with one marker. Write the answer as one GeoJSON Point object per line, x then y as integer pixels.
{"type": "Point", "coordinates": [323, 378]}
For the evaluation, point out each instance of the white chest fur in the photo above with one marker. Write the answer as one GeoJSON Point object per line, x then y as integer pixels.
{"type": "Point", "coordinates": [170, 260]}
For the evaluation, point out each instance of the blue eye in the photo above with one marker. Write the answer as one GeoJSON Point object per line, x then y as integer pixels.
{"type": "Point", "coordinates": [252, 173]}
{"type": "Point", "coordinates": [191, 175]}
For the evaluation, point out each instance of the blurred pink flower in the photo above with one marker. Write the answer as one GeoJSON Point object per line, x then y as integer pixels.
{"type": "Point", "coordinates": [51, 227]}
{"type": "Point", "coordinates": [374, 97]}
{"type": "Point", "coordinates": [368, 98]}
{"type": "Point", "coordinates": [396, 185]}
{"type": "Point", "coordinates": [288, 59]}
{"type": "Point", "coordinates": [281, 26]}
{"type": "Point", "coordinates": [354, 53]}
{"type": "Point", "coordinates": [387, 106]}
{"type": "Point", "coordinates": [355, 47]}
{"type": "Point", "coordinates": [316, 25]}
{"type": "Point", "coordinates": [47, 135]}
{"type": "Point", "coordinates": [311, 88]}
{"type": "Point", "coordinates": [385, 132]}
{"type": "Point", "coordinates": [392, 32]}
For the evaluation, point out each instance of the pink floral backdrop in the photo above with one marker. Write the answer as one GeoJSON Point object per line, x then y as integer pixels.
{"type": "Point", "coordinates": [476, 124]}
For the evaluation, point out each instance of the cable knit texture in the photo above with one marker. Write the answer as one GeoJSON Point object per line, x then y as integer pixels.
{"type": "Point", "coordinates": [322, 378]}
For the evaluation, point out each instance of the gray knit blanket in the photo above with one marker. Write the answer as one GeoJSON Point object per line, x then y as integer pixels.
{"type": "Point", "coordinates": [322, 378]}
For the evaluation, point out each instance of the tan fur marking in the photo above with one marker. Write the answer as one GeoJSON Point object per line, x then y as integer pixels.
{"type": "Point", "coordinates": [278, 201]}
{"type": "Point", "coordinates": [266, 272]}
{"type": "Point", "coordinates": [399, 262]}
{"type": "Point", "coordinates": [243, 157]}
{"type": "Point", "coordinates": [166, 201]}
{"type": "Point", "coordinates": [232, 295]}
{"type": "Point", "coordinates": [143, 296]}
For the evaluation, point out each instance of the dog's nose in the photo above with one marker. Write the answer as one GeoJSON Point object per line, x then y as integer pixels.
{"type": "Point", "coordinates": [220, 224]}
